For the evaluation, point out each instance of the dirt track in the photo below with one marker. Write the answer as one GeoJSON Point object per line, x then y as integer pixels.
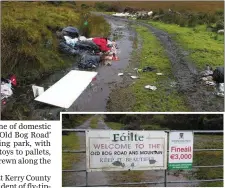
{"type": "Point", "coordinates": [199, 97]}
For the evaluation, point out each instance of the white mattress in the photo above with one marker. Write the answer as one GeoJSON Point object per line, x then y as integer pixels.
{"type": "Point", "coordinates": [64, 92]}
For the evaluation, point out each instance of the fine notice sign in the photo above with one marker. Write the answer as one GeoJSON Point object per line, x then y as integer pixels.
{"type": "Point", "coordinates": [109, 150]}
{"type": "Point", "coordinates": [180, 150]}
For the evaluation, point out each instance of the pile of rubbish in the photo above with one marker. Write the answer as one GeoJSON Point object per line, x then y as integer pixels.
{"type": "Point", "coordinates": [91, 51]}
{"type": "Point", "coordinates": [7, 87]}
{"type": "Point", "coordinates": [214, 78]}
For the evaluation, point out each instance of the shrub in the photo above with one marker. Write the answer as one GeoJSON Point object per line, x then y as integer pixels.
{"type": "Point", "coordinates": [193, 20]}
{"type": "Point", "coordinates": [102, 6]}
{"type": "Point", "coordinates": [219, 25]}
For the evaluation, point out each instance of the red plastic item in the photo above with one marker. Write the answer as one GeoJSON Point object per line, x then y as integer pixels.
{"type": "Point", "coordinates": [3, 102]}
{"type": "Point", "coordinates": [13, 80]}
{"type": "Point", "coordinates": [115, 58]}
{"type": "Point", "coordinates": [102, 43]}
{"type": "Point", "coordinates": [93, 79]}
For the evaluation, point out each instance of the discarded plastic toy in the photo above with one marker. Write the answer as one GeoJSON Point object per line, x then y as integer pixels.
{"type": "Point", "coordinates": [151, 87]}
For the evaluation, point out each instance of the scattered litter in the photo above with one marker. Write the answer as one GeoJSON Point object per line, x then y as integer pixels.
{"type": "Point", "coordinates": [108, 63]}
{"type": "Point", "coordinates": [6, 90]}
{"type": "Point", "coordinates": [159, 73]}
{"type": "Point", "coordinates": [90, 51]}
{"type": "Point", "coordinates": [151, 87]}
{"type": "Point", "coordinates": [220, 92]}
{"type": "Point", "coordinates": [207, 72]}
{"type": "Point", "coordinates": [210, 83]}
{"type": "Point", "coordinates": [120, 74]}
{"type": "Point", "coordinates": [173, 84]}
{"type": "Point", "coordinates": [94, 79]}
{"type": "Point", "coordinates": [7, 87]}
{"type": "Point", "coordinates": [207, 78]}
{"type": "Point", "coordinates": [37, 90]}
{"type": "Point", "coordinates": [134, 77]}
{"type": "Point", "coordinates": [82, 38]}
{"type": "Point", "coordinates": [121, 14]}
{"type": "Point", "coordinates": [3, 102]}
{"type": "Point", "coordinates": [70, 41]}
{"type": "Point", "coordinates": [204, 79]}
{"type": "Point", "coordinates": [148, 69]}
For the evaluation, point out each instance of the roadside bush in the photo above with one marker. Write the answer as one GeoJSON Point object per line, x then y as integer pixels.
{"type": "Point", "coordinates": [220, 12]}
{"type": "Point", "coordinates": [102, 6]}
{"type": "Point", "coordinates": [161, 11]}
{"type": "Point", "coordinates": [84, 6]}
{"type": "Point", "coordinates": [219, 25]}
{"type": "Point", "coordinates": [192, 21]}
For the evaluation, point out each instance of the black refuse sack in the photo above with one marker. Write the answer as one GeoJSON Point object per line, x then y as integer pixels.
{"type": "Point", "coordinates": [218, 75]}
{"type": "Point", "coordinates": [87, 46]}
{"type": "Point", "coordinates": [89, 61]}
{"type": "Point", "coordinates": [67, 49]}
{"type": "Point", "coordinates": [71, 32]}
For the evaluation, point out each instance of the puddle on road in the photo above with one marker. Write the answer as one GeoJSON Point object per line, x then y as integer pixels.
{"type": "Point", "coordinates": [95, 98]}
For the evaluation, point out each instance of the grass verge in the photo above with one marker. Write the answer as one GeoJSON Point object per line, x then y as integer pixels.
{"type": "Point", "coordinates": [205, 47]}
{"type": "Point", "coordinates": [209, 158]}
{"type": "Point", "coordinates": [94, 122]}
{"type": "Point", "coordinates": [114, 125]}
{"type": "Point", "coordinates": [152, 127]}
{"type": "Point", "coordinates": [165, 98]}
{"type": "Point", "coordinates": [69, 142]}
{"type": "Point", "coordinates": [29, 43]}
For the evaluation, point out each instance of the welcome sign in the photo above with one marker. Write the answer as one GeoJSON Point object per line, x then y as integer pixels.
{"type": "Point", "coordinates": [109, 150]}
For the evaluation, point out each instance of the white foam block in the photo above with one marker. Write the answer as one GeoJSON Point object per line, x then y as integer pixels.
{"type": "Point", "coordinates": [64, 92]}
{"type": "Point", "coordinates": [37, 90]}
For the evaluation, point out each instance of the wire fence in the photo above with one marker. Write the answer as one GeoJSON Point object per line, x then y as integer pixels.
{"type": "Point", "coordinates": [165, 182]}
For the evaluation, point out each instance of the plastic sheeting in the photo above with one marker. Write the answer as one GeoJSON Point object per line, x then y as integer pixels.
{"type": "Point", "coordinates": [64, 92]}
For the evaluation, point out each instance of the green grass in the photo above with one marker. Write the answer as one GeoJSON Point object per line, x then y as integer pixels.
{"type": "Point", "coordinates": [152, 127]}
{"type": "Point", "coordinates": [165, 98]}
{"type": "Point", "coordinates": [114, 125]}
{"type": "Point", "coordinates": [69, 142]}
{"type": "Point", "coordinates": [210, 158]}
{"type": "Point", "coordinates": [205, 47]}
{"type": "Point", "coordinates": [94, 122]}
{"type": "Point", "coordinates": [82, 119]}
{"type": "Point", "coordinates": [29, 43]}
